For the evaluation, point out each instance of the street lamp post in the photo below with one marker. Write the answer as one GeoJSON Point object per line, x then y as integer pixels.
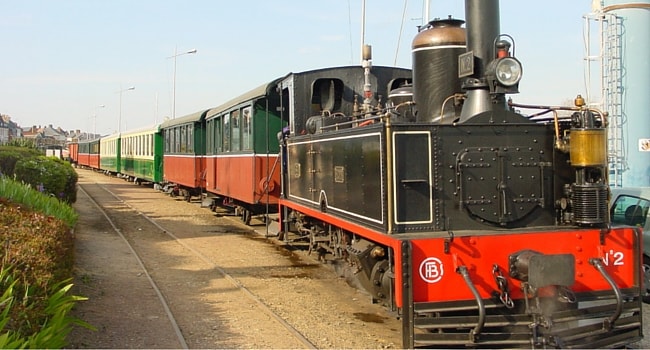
{"type": "Point", "coordinates": [119, 121]}
{"type": "Point", "coordinates": [174, 78]}
{"type": "Point", "coordinates": [95, 120]}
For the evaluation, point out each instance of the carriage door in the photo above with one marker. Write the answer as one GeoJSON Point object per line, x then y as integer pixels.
{"type": "Point", "coordinates": [412, 177]}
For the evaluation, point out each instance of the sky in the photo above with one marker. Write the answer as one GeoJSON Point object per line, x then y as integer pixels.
{"type": "Point", "coordinates": [70, 63]}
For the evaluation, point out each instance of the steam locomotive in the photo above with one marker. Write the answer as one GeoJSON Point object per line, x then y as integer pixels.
{"type": "Point", "coordinates": [476, 225]}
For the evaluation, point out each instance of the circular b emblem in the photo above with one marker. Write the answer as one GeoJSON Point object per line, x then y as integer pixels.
{"type": "Point", "coordinates": [431, 270]}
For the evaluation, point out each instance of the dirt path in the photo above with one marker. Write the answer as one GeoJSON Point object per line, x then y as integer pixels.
{"type": "Point", "coordinates": [210, 311]}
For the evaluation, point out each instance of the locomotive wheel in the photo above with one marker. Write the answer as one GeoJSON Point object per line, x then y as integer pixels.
{"type": "Point", "coordinates": [338, 242]}
{"type": "Point", "coordinates": [381, 281]}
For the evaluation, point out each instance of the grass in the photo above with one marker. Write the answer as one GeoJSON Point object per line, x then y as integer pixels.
{"type": "Point", "coordinates": [23, 194]}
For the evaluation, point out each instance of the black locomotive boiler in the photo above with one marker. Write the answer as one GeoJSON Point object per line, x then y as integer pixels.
{"type": "Point", "coordinates": [476, 225]}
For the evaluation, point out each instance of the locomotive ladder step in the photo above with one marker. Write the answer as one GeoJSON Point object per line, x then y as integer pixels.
{"type": "Point", "coordinates": [450, 324]}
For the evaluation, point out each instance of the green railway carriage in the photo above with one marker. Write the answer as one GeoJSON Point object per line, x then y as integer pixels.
{"type": "Point", "coordinates": [141, 154]}
{"type": "Point", "coordinates": [109, 154]}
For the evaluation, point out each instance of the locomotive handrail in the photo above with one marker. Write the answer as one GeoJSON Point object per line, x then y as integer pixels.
{"type": "Point", "coordinates": [562, 108]}
{"type": "Point", "coordinates": [351, 122]}
{"type": "Point", "coordinates": [384, 114]}
{"type": "Point", "coordinates": [598, 264]}
{"type": "Point", "coordinates": [559, 143]}
{"type": "Point", "coordinates": [473, 335]}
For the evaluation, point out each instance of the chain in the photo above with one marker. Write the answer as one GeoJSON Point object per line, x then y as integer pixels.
{"type": "Point", "coordinates": [502, 284]}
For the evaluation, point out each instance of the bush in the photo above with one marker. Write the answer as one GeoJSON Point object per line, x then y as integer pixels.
{"type": "Point", "coordinates": [49, 175]}
{"type": "Point", "coordinates": [9, 155]}
{"type": "Point", "coordinates": [38, 245]}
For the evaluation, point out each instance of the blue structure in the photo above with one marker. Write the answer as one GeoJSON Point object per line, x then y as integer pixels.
{"type": "Point", "coordinates": [632, 90]}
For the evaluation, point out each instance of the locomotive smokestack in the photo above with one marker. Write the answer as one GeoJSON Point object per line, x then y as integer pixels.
{"type": "Point", "coordinates": [482, 28]}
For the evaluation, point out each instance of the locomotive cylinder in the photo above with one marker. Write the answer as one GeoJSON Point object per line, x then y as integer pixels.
{"type": "Point", "coordinates": [435, 52]}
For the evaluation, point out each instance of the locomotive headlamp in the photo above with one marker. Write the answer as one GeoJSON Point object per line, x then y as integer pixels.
{"type": "Point", "coordinates": [503, 75]}
{"type": "Point", "coordinates": [508, 71]}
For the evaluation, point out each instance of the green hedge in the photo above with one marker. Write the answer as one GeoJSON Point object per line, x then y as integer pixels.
{"type": "Point", "coordinates": [49, 175]}
{"type": "Point", "coordinates": [46, 174]}
{"type": "Point", "coordinates": [10, 155]}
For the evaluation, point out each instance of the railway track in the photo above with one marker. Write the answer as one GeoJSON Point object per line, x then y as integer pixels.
{"type": "Point", "coordinates": [223, 286]}
{"type": "Point", "coordinates": [120, 207]}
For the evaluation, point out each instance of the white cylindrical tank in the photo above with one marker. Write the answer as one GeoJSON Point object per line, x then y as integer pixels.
{"type": "Point", "coordinates": [635, 76]}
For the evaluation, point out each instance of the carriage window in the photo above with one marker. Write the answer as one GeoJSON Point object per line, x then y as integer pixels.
{"type": "Point", "coordinates": [169, 136]}
{"type": "Point", "coordinates": [190, 138]}
{"type": "Point", "coordinates": [236, 131]}
{"type": "Point", "coordinates": [209, 136]}
{"type": "Point", "coordinates": [183, 139]}
{"type": "Point", "coordinates": [177, 140]}
{"type": "Point", "coordinates": [226, 132]}
{"type": "Point", "coordinates": [218, 136]}
{"type": "Point", "coordinates": [247, 130]}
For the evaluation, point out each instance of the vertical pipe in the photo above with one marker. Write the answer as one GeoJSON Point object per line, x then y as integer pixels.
{"type": "Point", "coordinates": [427, 12]}
{"type": "Point", "coordinates": [363, 26]}
{"type": "Point", "coordinates": [482, 27]}
{"type": "Point", "coordinates": [482, 23]}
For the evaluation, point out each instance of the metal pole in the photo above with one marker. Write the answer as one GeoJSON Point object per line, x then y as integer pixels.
{"type": "Point", "coordinates": [95, 120]}
{"type": "Point", "coordinates": [174, 86]}
{"type": "Point", "coordinates": [176, 54]}
{"type": "Point", "coordinates": [119, 122]}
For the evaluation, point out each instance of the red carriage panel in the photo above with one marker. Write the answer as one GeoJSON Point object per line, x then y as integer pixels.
{"type": "Point", "coordinates": [184, 170]}
{"type": "Point", "coordinates": [94, 161]}
{"type": "Point", "coordinates": [89, 160]}
{"type": "Point", "coordinates": [245, 178]}
{"type": "Point", "coordinates": [73, 150]}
